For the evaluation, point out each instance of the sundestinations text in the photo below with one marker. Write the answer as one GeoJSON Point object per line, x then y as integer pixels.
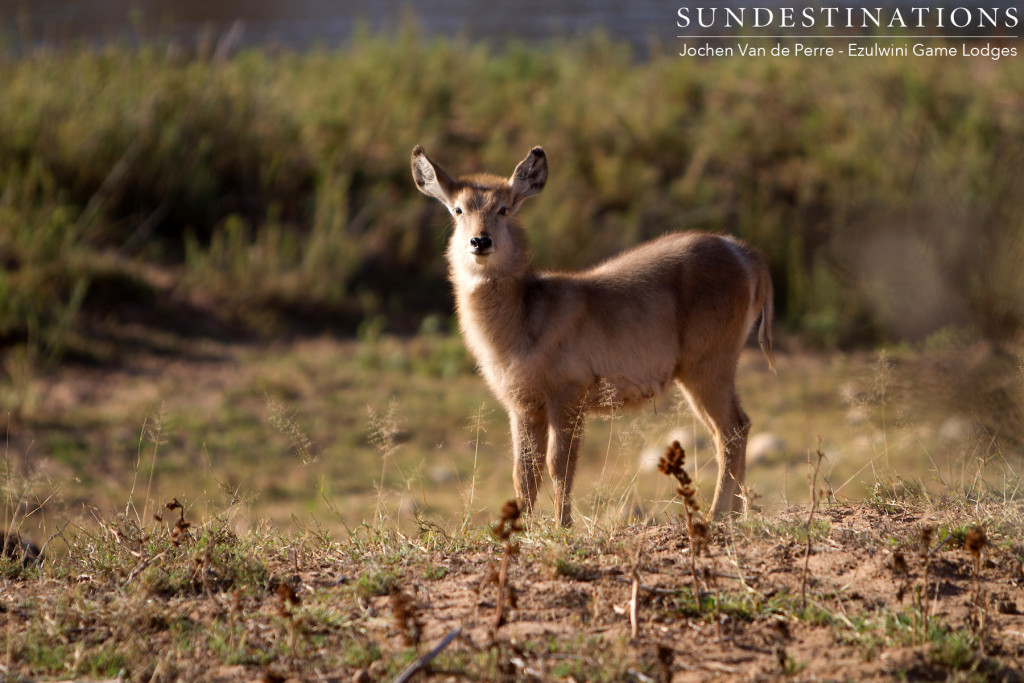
{"type": "Point", "coordinates": [848, 17]}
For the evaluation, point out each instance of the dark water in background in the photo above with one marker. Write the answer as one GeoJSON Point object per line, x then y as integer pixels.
{"type": "Point", "coordinates": [302, 24]}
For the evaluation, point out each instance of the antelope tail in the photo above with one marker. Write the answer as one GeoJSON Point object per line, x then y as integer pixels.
{"type": "Point", "coordinates": [764, 332]}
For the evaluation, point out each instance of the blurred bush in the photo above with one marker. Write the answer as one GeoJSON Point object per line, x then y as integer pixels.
{"type": "Point", "coordinates": [885, 192]}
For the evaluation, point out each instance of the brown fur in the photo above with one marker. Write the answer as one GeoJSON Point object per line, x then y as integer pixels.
{"type": "Point", "coordinates": [555, 346]}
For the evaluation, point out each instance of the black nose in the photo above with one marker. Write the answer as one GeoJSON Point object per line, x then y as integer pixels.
{"type": "Point", "coordinates": [480, 243]}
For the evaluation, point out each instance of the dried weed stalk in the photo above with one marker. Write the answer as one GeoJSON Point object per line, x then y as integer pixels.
{"type": "Point", "coordinates": [179, 532]}
{"type": "Point", "coordinates": [406, 617]}
{"type": "Point", "coordinates": [810, 520]}
{"type": "Point", "coordinates": [508, 524]}
{"type": "Point", "coordinates": [289, 602]}
{"type": "Point", "coordinates": [901, 570]}
{"type": "Point", "coordinates": [927, 532]}
{"type": "Point", "coordinates": [479, 427]}
{"type": "Point", "coordinates": [634, 599]}
{"type": "Point", "coordinates": [671, 464]}
{"type": "Point", "coordinates": [976, 543]}
{"type": "Point", "coordinates": [665, 655]}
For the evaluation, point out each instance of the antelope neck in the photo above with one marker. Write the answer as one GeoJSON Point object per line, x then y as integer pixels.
{"type": "Point", "coordinates": [497, 308]}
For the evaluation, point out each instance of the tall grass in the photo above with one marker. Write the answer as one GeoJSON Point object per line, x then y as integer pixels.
{"type": "Point", "coordinates": [883, 191]}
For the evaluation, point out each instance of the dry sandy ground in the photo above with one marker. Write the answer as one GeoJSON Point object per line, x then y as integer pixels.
{"type": "Point", "coordinates": [571, 620]}
{"type": "Point", "coordinates": [851, 574]}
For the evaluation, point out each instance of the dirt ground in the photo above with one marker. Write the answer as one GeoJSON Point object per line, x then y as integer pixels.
{"type": "Point", "coordinates": [365, 608]}
{"type": "Point", "coordinates": [571, 619]}
{"type": "Point", "coordinates": [851, 574]}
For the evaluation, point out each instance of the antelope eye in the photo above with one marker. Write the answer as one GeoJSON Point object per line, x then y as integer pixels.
{"type": "Point", "coordinates": [502, 211]}
{"type": "Point", "coordinates": [458, 211]}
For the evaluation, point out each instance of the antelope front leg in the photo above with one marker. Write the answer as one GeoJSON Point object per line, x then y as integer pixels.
{"type": "Point", "coordinates": [564, 437]}
{"type": "Point", "coordinates": [529, 443]}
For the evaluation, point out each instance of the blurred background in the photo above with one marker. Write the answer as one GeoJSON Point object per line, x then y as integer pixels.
{"type": "Point", "coordinates": [216, 274]}
{"type": "Point", "coordinates": [307, 23]}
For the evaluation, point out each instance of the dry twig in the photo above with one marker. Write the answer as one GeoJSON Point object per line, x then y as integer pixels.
{"type": "Point", "coordinates": [424, 661]}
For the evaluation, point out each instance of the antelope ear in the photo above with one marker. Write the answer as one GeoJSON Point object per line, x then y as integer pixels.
{"type": "Point", "coordinates": [530, 175]}
{"type": "Point", "coordinates": [431, 178]}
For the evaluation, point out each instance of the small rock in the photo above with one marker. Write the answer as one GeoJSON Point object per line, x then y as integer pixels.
{"type": "Point", "coordinates": [16, 548]}
{"type": "Point", "coordinates": [650, 455]}
{"type": "Point", "coordinates": [442, 475]}
{"type": "Point", "coordinates": [857, 415]}
{"type": "Point", "coordinates": [955, 429]}
{"type": "Point", "coordinates": [410, 506]}
{"type": "Point", "coordinates": [765, 446]}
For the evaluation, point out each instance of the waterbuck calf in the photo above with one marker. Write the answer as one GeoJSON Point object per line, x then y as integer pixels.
{"type": "Point", "coordinates": [554, 346]}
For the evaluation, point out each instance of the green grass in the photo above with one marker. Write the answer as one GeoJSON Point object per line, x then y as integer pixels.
{"type": "Point", "coordinates": [797, 531]}
{"type": "Point", "coordinates": [340, 444]}
{"type": "Point", "coordinates": [435, 572]}
{"type": "Point", "coordinates": [377, 582]}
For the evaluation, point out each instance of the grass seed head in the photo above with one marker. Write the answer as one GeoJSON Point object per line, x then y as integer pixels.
{"type": "Point", "coordinates": [671, 464]}
{"type": "Point", "coordinates": [510, 522]}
